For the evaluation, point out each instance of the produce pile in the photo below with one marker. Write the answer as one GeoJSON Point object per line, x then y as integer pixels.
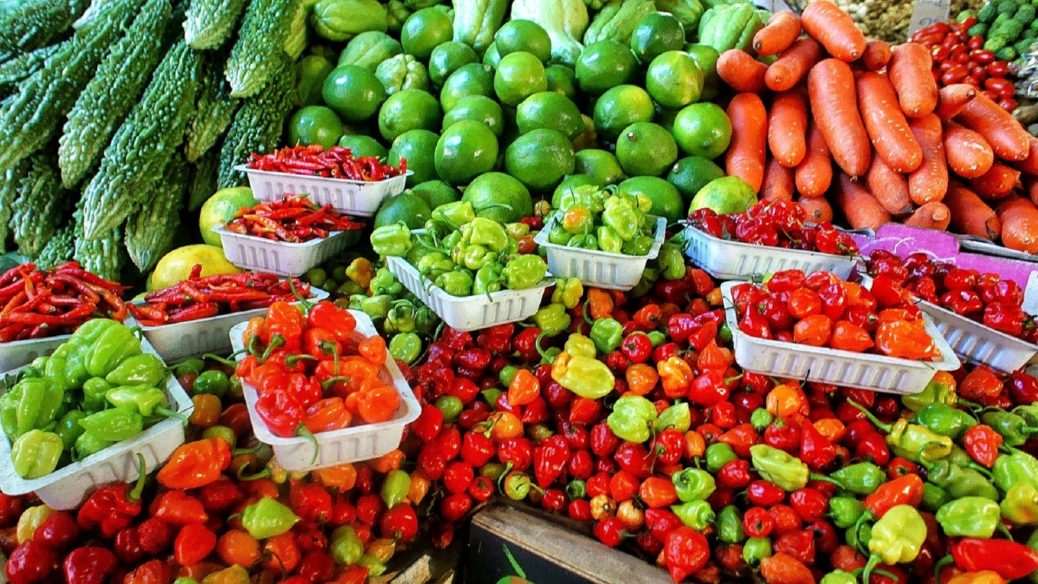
{"type": "Point", "coordinates": [610, 221]}
{"type": "Point", "coordinates": [779, 223]}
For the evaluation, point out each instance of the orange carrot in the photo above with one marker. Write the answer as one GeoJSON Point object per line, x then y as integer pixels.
{"type": "Point", "coordinates": [997, 182]}
{"type": "Point", "coordinates": [1007, 137]}
{"type": "Point", "coordinates": [818, 209]}
{"type": "Point", "coordinates": [1019, 224]}
{"type": "Point", "coordinates": [815, 172]}
{"type": "Point", "coordinates": [745, 158]}
{"type": "Point", "coordinates": [886, 124]}
{"type": "Point", "coordinates": [932, 215]}
{"type": "Point", "coordinates": [741, 71]}
{"type": "Point", "coordinates": [834, 104]}
{"type": "Point", "coordinates": [1029, 165]}
{"type": "Point", "coordinates": [877, 55]}
{"type": "Point", "coordinates": [782, 30]}
{"type": "Point", "coordinates": [792, 65]}
{"type": "Point", "coordinates": [952, 98]}
{"type": "Point", "coordinates": [787, 128]}
{"type": "Point", "coordinates": [825, 22]}
{"type": "Point", "coordinates": [859, 207]}
{"type": "Point", "coordinates": [910, 75]}
{"type": "Point", "coordinates": [929, 182]}
{"type": "Point", "coordinates": [889, 187]}
{"type": "Point", "coordinates": [778, 182]}
{"type": "Point", "coordinates": [970, 215]}
{"type": "Point", "coordinates": [1031, 186]}
{"type": "Point", "coordinates": [969, 154]}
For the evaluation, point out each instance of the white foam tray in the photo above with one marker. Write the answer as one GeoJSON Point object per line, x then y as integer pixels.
{"type": "Point", "coordinates": [469, 313]}
{"type": "Point", "coordinates": [279, 257]}
{"type": "Point", "coordinates": [356, 443]}
{"type": "Point", "coordinates": [825, 365]}
{"type": "Point", "coordinates": [975, 342]}
{"type": "Point", "coordinates": [346, 196]}
{"type": "Point", "coordinates": [596, 268]}
{"type": "Point", "coordinates": [68, 486]}
{"type": "Point", "coordinates": [737, 260]}
{"type": "Point", "coordinates": [182, 340]}
{"type": "Point", "coordinates": [18, 353]}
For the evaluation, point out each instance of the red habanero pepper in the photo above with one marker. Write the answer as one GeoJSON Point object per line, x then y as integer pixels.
{"type": "Point", "coordinates": [904, 490]}
{"type": "Point", "coordinates": [154, 534]}
{"type": "Point", "coordinates": [325, 415]}
{"type": "Point", "coordinates": [285, 322]}
{"type": "Point", "coordinates": [550, 459]}
{"type": "Point", "coordinates": [89, 565]}
{"type": "Point", "coordinates": [281, 412]}
{"type": "Point", "coordinates": [685, 552]}
{"type": "Point", "coordinates": [815, 449]}
{"type": "Point", "coordinates": [321, 343]}
{"type": "Point", "coordinates": [1008, 559]}
{"type": "Point", "coordinates": [328, 316]}
{"type": "Point", "coordinates": [311, 502]}
{"type": "Point", "coordinates": [112, 507]}
{"type": "Point", "coordinates": [193, 544]}
{"type": "Point", "coordinates": [195, 464]}
{"type": "Point", "coordinates": [1006, 318]}
{"type": "Point", "coordinates": [178, 508]}
{"type": "Point", "coordinates": [981, 443]}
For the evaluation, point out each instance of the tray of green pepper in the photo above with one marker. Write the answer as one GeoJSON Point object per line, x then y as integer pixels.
{"type": "Point", "coordinates": [101, 408]}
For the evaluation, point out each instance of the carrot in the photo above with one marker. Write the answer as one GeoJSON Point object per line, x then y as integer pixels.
{"type": "Point", "coordinates": [1019, 224]}
{"type": "Point", "coordinates": [997, 182]}
{"type": "Point", "coordinates": [1031, 186]}
{"type": "Point", "coordinates": [889, 187]}
{"type": "Point", "coordinates": [859, 207]}
{"type": "Point", "coordinates": [952, 98]}
{"type": "Point", "coordinates": [969, 154]}
{"type": "Point", "coordinates": [932, 215]}
{"type": "Point", "coordinates": [787, 128]}
{"type": "Point", "coordinates": [792, 65]}
{"type": "Point", "coordinates": [886, 125]}
{"type": "Point", "coordinates": [1007, 137]}
{"type": "Point", "coordinates": [970, 215]}
{"type": "Point", "coordinates": [746, 153]}
{"type": "Point", "coordinates": [929, 182]}
{"type": "Point", "coordinates": [834, 104]}
{"type": "Point", "coordinates": [818, 209]}
{"type": "Point", "coordinates": [877, 55]}
{"type": "Point", "coordinates": [741, 71]}
{"type": "Point", "coordinates": [825, 22]}
{"type": "Point", "coordinates": [782, 30]}
{"type": "Point", "coordinates": [815, 172]}
{"type": "Point", "coordinates": [1029, 165]}
{"type": "Point", "coordinates": [910, 75]}
{"type": "Point", "coordinates": [778, 182]}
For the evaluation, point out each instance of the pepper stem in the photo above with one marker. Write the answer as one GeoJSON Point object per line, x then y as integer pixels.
{"type": "Point", "coordinates": [1001, 527]}
{"type": "Point", "coordinates": [291, 360]}
{"type": "Point", "coordinates": [306, 304]}
{"type": "Point", "coordinates": [825, 479]}
{"type": "Point", "coordinates": [869, 567]}
{"type": "Point", "coordinates": [276, 341]}
{"type": "Point", "coordinates": [225, 361]}
{"type": "Point", "coordinates": [332, 381]}
{"type": "Point", "coordinates": [168, 413]}
{"type": "Point", "coordinates": [939, 565]}
{"type": "Point", "coordinates": [870, 416]}
{"type": "Point", "coordinates": [537, 345]}
{"type": "Point", "coordinates": [142, 478]}
{"type": "Point", "coordinates": [266, 472]}
{"type": "Point", "coordinates": [305, 432]}
{"type": "Point", "coordinates": [515, 565]}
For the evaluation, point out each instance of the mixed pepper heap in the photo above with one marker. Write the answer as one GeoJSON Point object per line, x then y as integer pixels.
{"type": "Point", "coordinates": [293, 219]}
{"type": "Point", "coordinates": [779, 223]}
{"type": "Point", "coordinates": [335, 162]}
{"type": "Point", "coordinates": [609, 220]}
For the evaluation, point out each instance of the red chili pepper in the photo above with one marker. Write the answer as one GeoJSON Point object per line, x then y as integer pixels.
{"type": "Point", "coordinates": [111, 507]}
{"type": "Point", "coordinates": [154, 535]}
{"type": "Point", "coordinates": [1008, 559]}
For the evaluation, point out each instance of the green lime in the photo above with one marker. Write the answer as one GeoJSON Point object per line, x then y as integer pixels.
{"type": "Point", "coordinates": [402, 72]}
{"type": "Point", "coordinates": [666, 201]}
{"type": "Point", "coordinates": [656, 34]}
{"type": "Point", "coordinates": [601, 165]}
{"type": "Point", "coordinates": [436, 193]}
{"type": "Point", "coordinates": [310, 73]}
{"type": "Point", "coordinates": [364, 145]}
{"type": "Point", "coordinates": [572, 181]}
{"type": "Point", "coordinates": [646, 149]}
{"type": "Point", "coordinates": [448, 58]}
{"type": "Point", "coordinates": [562, 79]}
{"type": "Point", "coordinates": [691, 173]}
{"type": "Point", "coordinates": [500, 197]}
{"type": "Point", "coordinates": [539, 159]}
{"type": "Point", "coordinates": [706, 57]}
{"type": "Point", "coordinates": [603, 65]}
{"type": "Point", "coordinates": [418, 148]}
{"type": "Point", "coordinates": [479, 108]}
{"type": "Point", "coordinates": [353, 92]}
{"type": "Point", "coordinates": [220, 208]}
{"type": "Point", "coordinates": [409, 109]}
{"type": "Point", "coordinates": [518, 76]}
{"type": "Point", "coordinates": [703, 129]}
{"type": "Point", "coordinates": [314, 124]}
{"type": "Point", "coordinates": [464, 151]}
{"type": "Point", "coordinates": [550, 110]}
{"type": "Point", "coordinates": [620, 107]}
{"type": "Point", "coordinates": [523, 35]}
{"type": "Point", "coordinates": [370, 48]}
{"type": "Point", "coordinates": [674, 80]}
{"type": "Point", "coordinates": [407, 207]}
{"type": "Point", "coordinates": [471, 79]}
{"type": "Point", "coordinates": [727, 194]}
{"type": "Point", "coordinates": [424, 30]}
{"type": "Point", "coordinates": [491, 56]}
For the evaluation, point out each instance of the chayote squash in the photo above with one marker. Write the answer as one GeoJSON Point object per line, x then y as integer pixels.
{"type": "Point", "coordinates": [402, 72]}
{"type": "Point", "coordinates": [616, 21]}
{"type": "Point", "coordinates": [368, 49]}
{"type": "Point", "coordinates": [476, 21]}
{"type": "Point", "coordinates": [688, 12]}
{"type": "Point", "coordinates": [419, 4]}
{"type": "Point", "coordinates": [730, 26]}
{"type": "Point", "coordinates": [564, 21]}
{"type": "Point", "coordinates": [341, 20]}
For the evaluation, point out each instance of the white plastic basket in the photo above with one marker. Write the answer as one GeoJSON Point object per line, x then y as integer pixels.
{"type": "Point", "coordinates": [346, 196]}
{"type": "Point", "coordinates": [279, 257]}
{"type": "Point", "coordinates": [597, 268]}
{"type": "Point", "coordinates": [737, 260]}
{"type": "Point", "coordinates": [181, 340]}
{"type": "Point", "coordinates": [975, 342]}
{"type": "Point", "coordinates": [825, 365]}
{"type": "Point", "coordinates": [66, 487]}
{"type": "Point", "coordinates": [18, 353]}
{"type": "Point", "coordinates": [353, 444]}
{"type": "Point", "coordinates": [469, 313]}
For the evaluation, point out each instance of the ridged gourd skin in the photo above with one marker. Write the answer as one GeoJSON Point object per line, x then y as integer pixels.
{"type": "Point", "coordinates": [40, 208]}
{"type": "Point", "coordinates": [150, 232]}
{"type": "Point", "coordinates": [30, 24]}
{"type": "Point", "coordinates": [9, 184]}
{"type": "Point", "coordinates": [105, 256]}
{"type": "Point", "coordinates": [143, 145]}
{"type": "Point", "coordinates": [203, 179]}
{"type": "Point", "coordinates": [261, 43]}
{"type": "Point", "coordinates": [213, 114]}
{"type": "Point", "coordinates": [110, 95]}
{"type": "Point", "coordinates": [298, 32]}
{"type": "Point", "coordinates": [59, 249]}
{"type": "Point", "coordinates": [21, 66]}
{"type": "Point", "coordinates": [209, 23]}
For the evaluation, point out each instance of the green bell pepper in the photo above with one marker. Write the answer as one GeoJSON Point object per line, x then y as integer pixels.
{"type": "Point", "coordinates": [787, 472]}
{"type": "Point", "coordinates": [552, 319]}
{"type": "Point", "coordinates": [143, 399]}
{"type": "Point", "coordinates": [693, 484]}
{"type": "Point", "coordinates": [969, 517]}
{"type": "Point", "coordinates": [68, 428]}
{"type": "Point", "coordinates": [632, 418]}
{"type": "Point", "coordinates": [488, 279]}
{"type": "Point", "coordinates": [696, 514]}
{"type": "Point", "coordinates": [607, 334]}
{"type": "Point", "coordinates": [384, 282]}
{"type": "Point", "coordinates": [861, 478]}
{"type": "Point", "coordinates": [729, 525]}
{"type": "Point", "coordinates": [32, 403]}
{"type": "Point", "coordinates": [621, 215]}
{"type": "Point", "coordinates": [391, 240]}
{"type": "Point", "coordinates": [143, 369]}
{"type": "Point", "coordinates": [676, 417]}
{"type": "Point", "coordinates": [36, 453]}
{"type": "Point", "coordinates": [608, 240]}
{"type": "Point", "coordinates": [487, 233]}
{"type": "Point", "coordinates": [114, 425]}
{"type": "Point", "coordinates": [568, 292]}
{"type": "Point", "coordinates": [1020, 505]}
{"type": "Point", "coordinates": [346, 547]}
{"type": "Point", "coordinates": [671, 262]}
{"type": "Point", "coordinates": [456, 282]}
{"type": "Point", "coordinates": [405, 346]}
{"type": "Point", "coordinates": [267, 518]}
{"type": "Point", "coordinates": [845, 511]}
{"type": "Point", "coordinates": [524, 271]}
{"type": "Point", "coordinates": [88, 443]}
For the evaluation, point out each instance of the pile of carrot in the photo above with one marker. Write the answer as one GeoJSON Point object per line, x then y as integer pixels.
{"type": "Point", "coordinates": [860, 128]}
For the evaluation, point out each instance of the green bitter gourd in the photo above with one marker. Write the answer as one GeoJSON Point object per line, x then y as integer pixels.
{"type": "Point", "coordinates": [150, 232]}
{"type": "Point", "coordinates": [40, 206]}
{"type": "Point", "coordinates": [213, 114]}
{"type": "Point", "coordinates": [261, 41]}
{"type": "Point", "coordinates": [104, 256]}
{"type": "Point", "coordinates": [209, 23]}
{"type": "Point", "coordinates": [59, 249]}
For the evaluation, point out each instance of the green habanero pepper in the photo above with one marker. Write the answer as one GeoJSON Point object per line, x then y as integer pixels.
{"type": "Point", "coordinates": [568, 292]}
{"type": "Point", "coordinates": [143, 399]}
{"type": "Point", "coordinates": [267, 518]}
{"type": "Point", "coordinates": [524, 271]}
{"type": "Point", "coordinates": [632, 418]}
{"type": "Point", "coordinates": [400, 318]}
{"type": "Point", "coordinates": [945, 420]}
{"type": "Point", "coordinates": [395, 487]}
{"type": "Point", "coordinates": [969, 517]}
{"type": "Point", "coordinates": [1013, 428]}
{"type": "Point", "coordinates": [657, 338]}
{"type": "Point", "coordinates": [143, 369]}
{"type": "Point", "coordinates": [377, 307]}
{"type": "Point", "coordinates": [114, 425]}
{"type": "Point", "coordinates": [579, 345]}
{"type": "Point", "coordinates": [717, 455]}
{"type": "Point", "coordinates": [69, 429]}
{"type": "Point", "coordinates": [912, 441]}
{"type": "Point", "coordinates": [425, 320]}
{"type": "Point", "coordinates": [454, 214]}
{"type": "Point", "coordinates": [488, 279]}
{"type": "Point", "coordinates": [558, 235]}
{"type": "Point", "coordinates": [845, 511]}
{"type": "Point", "coordinates": [756, 549]}
{"type": "Point", "coordinates": [934, 497]}
{"type": "Point", "coordinates": [941, 389]}
{"type": "Point", "coordinates": [36, 453]}
{"type": "Point", "coordinates": [1029, 412]}
{"type": "Point", "coordinates": [115, 345]}
{"type": "Point", "coordinates": [391, 240]}
{"type": "Point", "coordinates": [432, 265]}
{"type": "Point", "coordinates": [858, 536]}
{"type": "Point", "coordinates": [649, 278]}
{"type": "Point", "coordinates": [606, 333]}
{"type": "Point", "coordinates": [507, 374]}
{"type": "Point", "coordinates": [671, 262]}
{"type": "Point", "coordinates": [88, 443]}
{"type": "Point", "coordinates": [693, 484]}
{"type": "Point", "coordinates": [214, 382]}
{"type": "Point", "coordinates": [676, 417]}
{"type": "Point", "coordinates": [488, 233]}
{"type": "Point", "coordinates": [839, 577]}
{"type": "Point", "coordinates": [784, 470]}
{"type": "Point", "coordinates": [960, 481]}
{"type": "Point", "coordinates": [32, 403]}
{"type": "Point", "coordinates": [94, 390]}
{"type": "Point", "coordinates": [638, 246]}
{"type": "Point", "coordinates": [584, 376]}
{"type": "Point", "coordinates": [374, 566]}
{"type": "Point", "coordinates": [193, 366]}
{"type": "Point", "coordinates": [405, 347]}
{"type": "Point", "coordinates": [549, 354]}
{"type": "Point", "coordinates": [583, 241]}
{"type": "Point", "coordinates": [517, 230]}
{"type": "Point", "coordinates": [896, 538]}
{"type": "Point", "coordinates": [608, 240]}
{"type": "Point", "coordinates": [552, 319]}
{"type": "Point", "coordinates": [623, 216]}
{"type": "Point", "coordinates": [455, 283]}
{"type": "Point", "coordinates": [474, 257]}
{"type": "Point", "coordinates": [1020, 505]}
{"type": "Point", "coordinates": [761, 418]}
{"type": "Point", "coordinates": [696, 514]}
{"type": "Point", "coordinates": [385, 282]}
{"type": "Point", "coordinates": [861, 478]}
{"type": "Point", "coordinates": [729, 525]}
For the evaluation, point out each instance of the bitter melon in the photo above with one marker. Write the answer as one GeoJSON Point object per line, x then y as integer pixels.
{"type": "Point", "coordinates": [144, 143]}
{"type": "Point", "coordinates": [261, 41]}
{"type": "Point", "coordinates": [9, 184]}
{"type": "Point", "coordinates": [104, 256]}
{"type": "Point", "coordinates": [31, 24]}
{"type": "Point", "coordinates": [213, 114]}
{"type": "Point", "coordinates": [112, 92]}
{"type": "Point", "coordinates": [21, 66]}
{"type": "Point", "coordinates": [59, 249]}
{"type": "Point", "coordinates": [203, 179]}
{"type": "Point", "coordinates": [209, 23]}
{"type": "Point", "coordinates": [297, 39]}
{"type": "Point", "coordinates": [149, 233]}
{"type": "Point", "coordinates": [40, 207]}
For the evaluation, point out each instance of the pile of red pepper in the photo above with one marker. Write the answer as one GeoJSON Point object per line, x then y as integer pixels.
{"type": "Point", "coordinates": [294, 219]}
{"type": "Point", "coordinates": [44, 303]}
{"type": "Point", "coordinates": [199, 297]}
{"type": "Point", "coordinates": [335, 162]}
{"type": "Point", "coordinates": [960, 58]}
{"type": "Point", "coordinates": [775, 224]}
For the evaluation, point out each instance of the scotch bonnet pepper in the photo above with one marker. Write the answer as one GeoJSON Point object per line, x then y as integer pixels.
{"type": "Point", "coordinates": [969, 517]}
{"type": "Point", "coordinates": [896, 538]}
{"type": "Point", "coordinates": [1020, 505]}
{"type": "Point", "coordinates": [632, 418]}
{"type": "Point", "coordinates": [784, 470]}
{"type": "Point", "coordinates": [36, 453]}
{"type": "Point", "coordinates": [31, 404]}
{"type": "Point", "coordinates": [585, 376]}
{"type": "Point", "coordinates": [912, 441]}
{"type": "Point", "coordinates": [524, 271]}
{"type": "Point", "coordinates": [391, 240]}
{"type": "Point", "coordinates": [268, 518]}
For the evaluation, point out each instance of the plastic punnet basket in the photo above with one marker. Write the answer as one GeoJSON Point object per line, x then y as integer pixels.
{"type": "Point", "coordinates": [825, 365]}
{"type": "Point", "coordinates": [18, 353]}
{"type": "Point", "coordinates": [352, 444]}
{"type": "Point", "coordinates": [469, 313]}
{"type": "Point", "coordinates": [353, 197]}
{"type": "Point", "coordinates": [596, 268]}
{"type": "Point", "coordinates": [279, 257]}
{"type": "Point", "coordinates": [975, 342]}
{"type": "Point", "coordinates": [181, 340]}
{"type": "Point", "coordinates": [66, 487]}
{"type": "Point", "coordinates": [737, 260]}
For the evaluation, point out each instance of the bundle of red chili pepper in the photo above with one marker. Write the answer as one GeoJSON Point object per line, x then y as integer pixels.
{"type": "Point", "coordinates": [37, 303]}
{"type": "Point", "coordinates": [199, 297]}
{"type": "Point", "coordinates": [294, 219]}
{"type": "Point", "coordinates": [336, 162]}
